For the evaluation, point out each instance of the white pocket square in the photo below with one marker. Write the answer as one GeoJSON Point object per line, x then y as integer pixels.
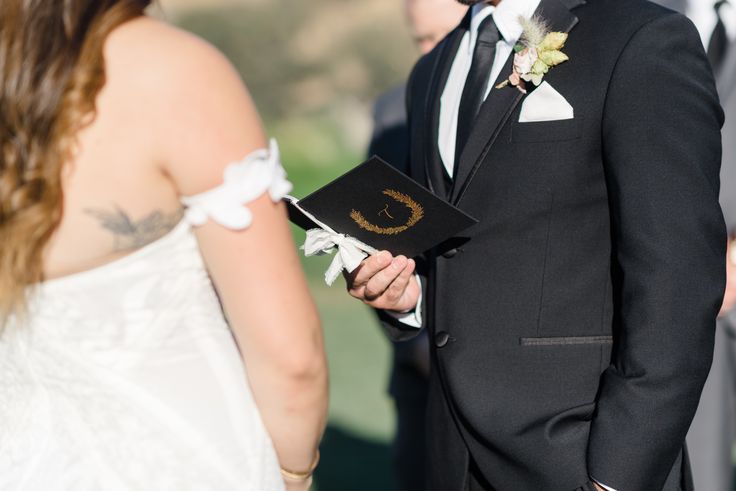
{"type": "Point", "coordinates": [545, 104]}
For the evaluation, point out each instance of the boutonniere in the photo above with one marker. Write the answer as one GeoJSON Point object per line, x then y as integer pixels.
{"type": "Point", "coordinates": [537, 51]}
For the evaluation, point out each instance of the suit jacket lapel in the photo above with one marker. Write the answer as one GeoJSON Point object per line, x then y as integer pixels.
{"type": "Point", "coordinates": [500, 104]}
{"type": "Point", "coordinates": [434, 167]}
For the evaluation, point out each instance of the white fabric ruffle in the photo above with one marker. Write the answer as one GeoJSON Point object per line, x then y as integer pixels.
{"type": "Point", "coordinates": [350, 252]}
{"type": "Point", "coordinates": [244, 181]}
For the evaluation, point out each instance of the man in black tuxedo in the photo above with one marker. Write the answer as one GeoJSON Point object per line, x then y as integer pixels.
{"type": "Point", "coordinates": [572, 328]}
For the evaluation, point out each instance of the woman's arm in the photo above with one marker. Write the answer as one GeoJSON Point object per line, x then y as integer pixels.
{"type": "Point", "coordinates": [207, 120]}
{"type": "Point", "coordinates": [275, 323]}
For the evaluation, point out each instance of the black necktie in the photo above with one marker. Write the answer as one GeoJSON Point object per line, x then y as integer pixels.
{"type": "Point", "coordinates": [477, 83]}
{"type": "Point", "coordinates": [718, 41]}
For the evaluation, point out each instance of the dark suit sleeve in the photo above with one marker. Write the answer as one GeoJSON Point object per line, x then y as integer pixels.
{"type": "Point", "coordinates": [662, 150]}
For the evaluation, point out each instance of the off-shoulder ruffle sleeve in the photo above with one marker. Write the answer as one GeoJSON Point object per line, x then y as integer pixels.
{"type": "Point", "coordinates": [244, 181]}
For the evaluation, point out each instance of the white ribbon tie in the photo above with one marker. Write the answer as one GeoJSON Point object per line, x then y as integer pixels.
{"type": "Point", "coordinates": [350, 251]}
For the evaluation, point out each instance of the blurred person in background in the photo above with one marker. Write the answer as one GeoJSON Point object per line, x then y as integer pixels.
{"type": "Point", "coordinates": [126, 208]}
{"type": "Point", "coordinates": [429, 22]}
{"type": "Point", "coordinates": [713, 432]}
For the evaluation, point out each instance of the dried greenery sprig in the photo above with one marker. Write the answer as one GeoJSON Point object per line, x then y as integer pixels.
{"type": "Point", "coordinates": [538, 50]}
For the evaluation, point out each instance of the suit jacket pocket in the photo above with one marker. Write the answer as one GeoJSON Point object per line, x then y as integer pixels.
{"type": "Point", "coordinates": [547, 131]}
{"type": "Point", "coordinates": [566, 340]}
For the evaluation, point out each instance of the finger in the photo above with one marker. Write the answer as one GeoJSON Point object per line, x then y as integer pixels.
{"type": "Point", "coordinates": [396, 290]}
{"type": "Point", "coordinates": [356, 292]}
{"type": "Point", "coordinates": [370, 267]}
{"type": "Point", "coordinates": [413, 265]}
{"type": "Point", "coordinates": [413, 290]}
{"type": "Point", "coordinates": [731, 280]}
{"type": "Point", "coordinates": [378, 284]}
{"type": "Point", "coordinates": [392, 296]}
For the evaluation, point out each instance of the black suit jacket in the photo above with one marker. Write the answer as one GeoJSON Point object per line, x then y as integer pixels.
{"type": "Point", "coordinates": [573, 327]}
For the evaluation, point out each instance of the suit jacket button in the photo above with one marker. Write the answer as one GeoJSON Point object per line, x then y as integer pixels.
{"type": "Point", "coordinates": [441, 339]}
{"type": "Point", "coordinates": [450, 254]}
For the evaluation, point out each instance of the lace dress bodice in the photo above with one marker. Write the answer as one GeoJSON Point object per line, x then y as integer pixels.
{"type": "Point", "coordinates": [127, 377]}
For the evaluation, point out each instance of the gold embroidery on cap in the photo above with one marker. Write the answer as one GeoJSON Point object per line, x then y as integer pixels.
{"type": "Point", "coordinates": [417, 213]}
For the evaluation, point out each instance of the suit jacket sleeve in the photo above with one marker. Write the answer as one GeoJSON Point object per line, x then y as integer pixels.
{"type": "Point", "coordinates": [662, 150]}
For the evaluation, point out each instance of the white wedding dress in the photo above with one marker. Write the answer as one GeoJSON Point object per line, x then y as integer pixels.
{"type": "Point", "coordinates": [127, 377]}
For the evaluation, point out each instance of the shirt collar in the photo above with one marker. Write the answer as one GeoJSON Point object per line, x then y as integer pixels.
{"type": "Point", "coordinates": [703, 15]}
{"type": "Point", "coordinates": [505, 15]}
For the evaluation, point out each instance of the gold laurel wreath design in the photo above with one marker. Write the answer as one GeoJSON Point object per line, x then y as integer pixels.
{"type": "Point", "coordinates": [417, 213]}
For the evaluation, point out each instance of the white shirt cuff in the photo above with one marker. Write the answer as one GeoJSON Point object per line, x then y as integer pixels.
{"type": "Point", "coordinates": [413, 318]}
{"type": "Point", "coordinates": [603, 485]}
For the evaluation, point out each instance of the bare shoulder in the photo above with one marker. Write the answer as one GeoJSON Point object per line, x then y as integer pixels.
{"type": "Point", "coordinates": [153, 55]}
{"type": "Point", "coordinates": [190, 94]}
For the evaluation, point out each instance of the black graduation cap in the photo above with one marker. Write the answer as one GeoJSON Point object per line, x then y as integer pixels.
{"type": "Point", "coordinates": [383, 208]}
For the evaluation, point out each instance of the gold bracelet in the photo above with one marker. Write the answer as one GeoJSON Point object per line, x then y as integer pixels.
{"type": "Point", "coordinates": [301, 476]}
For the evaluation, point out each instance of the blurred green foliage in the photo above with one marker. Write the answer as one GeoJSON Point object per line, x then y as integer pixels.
{"type": "Point", "coordinates": [331, 50]}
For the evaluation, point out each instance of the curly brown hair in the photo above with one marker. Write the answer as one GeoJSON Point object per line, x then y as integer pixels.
{"type": "Point", "coordinates": [51, 71]}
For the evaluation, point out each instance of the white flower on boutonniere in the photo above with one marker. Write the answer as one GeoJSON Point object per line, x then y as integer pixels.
{"type": "Point", "coordinates": [537, 51]}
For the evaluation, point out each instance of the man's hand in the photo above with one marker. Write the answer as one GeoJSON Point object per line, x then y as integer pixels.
{"type": "Point", "coordinates": [729, 299]}
{"type": "Point", "coordinates": [386, 282]}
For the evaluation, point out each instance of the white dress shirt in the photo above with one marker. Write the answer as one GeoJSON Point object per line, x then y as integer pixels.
{"type": "Point", "coordinates": [703, 15]}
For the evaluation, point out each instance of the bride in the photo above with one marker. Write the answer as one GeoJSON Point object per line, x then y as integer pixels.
{"type": "Point", "coordinates": [125, 204]}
